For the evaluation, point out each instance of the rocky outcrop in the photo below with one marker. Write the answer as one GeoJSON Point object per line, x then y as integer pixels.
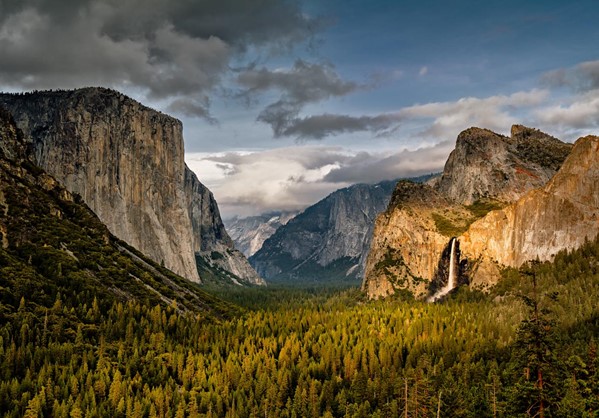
{"type": "Point", "coordinates": [127, 162]}
{"type": "Point", "coordinates": [485, 172]}
{"type": "Point", "coordinates": [327, 241]}
{"type": "Point", "coordinates": [486, 165]}
{"type": "Point", "coordinates": [406, 245]}
{"type": "Point", "coordinates": [249, 233]}
{"type": "Point", "coordinates": [210, 238]}
{"type": "Point", "coordinates": [559, 216]}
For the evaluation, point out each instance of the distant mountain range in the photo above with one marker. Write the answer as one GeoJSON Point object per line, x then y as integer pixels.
{"type": "Point", "coordinates": [328, 241]}
{"type": "Point", "coordinates": [249, 233]}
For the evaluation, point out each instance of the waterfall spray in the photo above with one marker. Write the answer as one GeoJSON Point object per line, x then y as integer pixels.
{"type": "Point", "coordinates": [451, 279]}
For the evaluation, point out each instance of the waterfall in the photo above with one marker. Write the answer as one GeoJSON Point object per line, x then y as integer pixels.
{"type": "Point", "coordinates": [451, 279]}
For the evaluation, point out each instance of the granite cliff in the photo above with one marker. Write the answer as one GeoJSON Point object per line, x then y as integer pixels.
{"type": "Point", "coordinates": [408, 240]}
{"type": "Point", "coordinates": [485, 173]}
{"type": "Point", "coordinates": [562, 215]}
{"type": "Point", "coordinates": [486, 165]}
{"type": "Point", "coordinates": [127, 163]}
{"type": "Point", "coordinates": [53, 246]}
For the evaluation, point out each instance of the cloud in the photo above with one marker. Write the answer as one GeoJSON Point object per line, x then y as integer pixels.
{"type": "Point", "coordinates": [578, 113]}
{"type": "Point", "coordinates": [303, 83]}
{"type": "Point", "coordinates": [367, 167]}
{"type": "Point", "coordinates": [581, 113]}
{"type": "Point", "coordinates": [192, 108]}
{"type": "Point", "coordinates": [168, 50]}
{"type": "Point", "coordinates": [443, 120]}
{"type": "Point", "coordinates": [450, 118]}
{"type": "Point", "coordinates": [299, 85]}
{"type": "Point", "coordinates": [259, 182]}
{"type": "Point", "coordinates": [293, 178]}
{"type": "Point", "coordinates": [320, 126]}
{"type": "Point", "coordinates": [582, 77]}
{"type": "Point", "coordinates": [423, 71]}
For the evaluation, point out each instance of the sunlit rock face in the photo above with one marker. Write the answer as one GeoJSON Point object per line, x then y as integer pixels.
{"type": "Point", "coordinates": [406, 246]}
{"type": "Point", "coordinates": [561, 215]}
{"type": "Point", "coordinates": [127, 162]}
{"type": "Point", "coordinates": [489, 197]}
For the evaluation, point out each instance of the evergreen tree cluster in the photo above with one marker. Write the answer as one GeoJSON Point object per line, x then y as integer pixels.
{"type": "Point", "coordinates": [314, 355]}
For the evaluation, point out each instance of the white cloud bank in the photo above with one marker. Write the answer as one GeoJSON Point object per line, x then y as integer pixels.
{"type": "Point", "coordinates": [295, 177]}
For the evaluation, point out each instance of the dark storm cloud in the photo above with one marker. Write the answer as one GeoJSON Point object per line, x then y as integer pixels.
{"type": "Point", "coordinates": [191, 108]}
{"type": "Point", "coordinates": [320, 126]}
{"type": "Point", "coordinates": [303, 83]}
{"type": "Point", "coordinates": [168, 49]}
{"type": "Point", "coordinates": [300, 85]}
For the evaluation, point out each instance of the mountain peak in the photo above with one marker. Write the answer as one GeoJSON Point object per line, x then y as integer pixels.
{"type": "Point", "coordinates": [520, 130]}
{"type": "Point", "coordinates": [487, 165]}
{"type": "Point", "coordinates": [475, 135]}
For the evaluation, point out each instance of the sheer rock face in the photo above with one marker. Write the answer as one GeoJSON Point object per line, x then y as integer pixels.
{"type": "Point", "coordinates": [484, 167]}
{"type": "Point", "coordinates": [127, 162]}
{"type": "Point", "coordinates": [561, 215]}
{"type": "Point", "coordinates": [46, 232]}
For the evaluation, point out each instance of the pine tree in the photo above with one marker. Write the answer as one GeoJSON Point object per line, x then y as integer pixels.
{"type": "Point", "coordinates": [534, 354]}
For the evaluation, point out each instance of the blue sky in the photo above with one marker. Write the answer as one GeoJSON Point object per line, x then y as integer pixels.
{"type": "Point", "coordinates": [284, 101]}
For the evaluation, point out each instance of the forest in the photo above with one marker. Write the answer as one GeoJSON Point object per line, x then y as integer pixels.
{"type": "Point", "coordinates": [529, 348]}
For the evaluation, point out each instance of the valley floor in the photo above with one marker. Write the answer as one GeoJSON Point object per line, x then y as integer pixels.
{"type": "Point", "coordinates": [520, 351]}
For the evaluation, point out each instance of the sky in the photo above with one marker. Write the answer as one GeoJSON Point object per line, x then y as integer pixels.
{"type": "Point", "coordinates": [285, 101]}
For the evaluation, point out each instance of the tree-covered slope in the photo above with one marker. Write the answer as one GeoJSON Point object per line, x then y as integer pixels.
{"type": "Point", "coordinates": [317, 356]}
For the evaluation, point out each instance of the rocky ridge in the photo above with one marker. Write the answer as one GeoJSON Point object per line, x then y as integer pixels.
{"type": "Point", "coordinates": [562, 215]}
{"type": "Point", "coordinates": [127, 163]}
{"type": "Point", "coordinates": [486, 172]}
{"type": "Point", "coordinates": [249, 233]}
{"type": "Point", "coordinates": [487, 165]}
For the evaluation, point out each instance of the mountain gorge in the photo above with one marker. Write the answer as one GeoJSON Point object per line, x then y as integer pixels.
{"type": "Point", "coordinates": [506, 200]}
{"type": "Point", "coordinates": [127, 163]}
{"type": "Point", "coordinates": [327, 241]}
